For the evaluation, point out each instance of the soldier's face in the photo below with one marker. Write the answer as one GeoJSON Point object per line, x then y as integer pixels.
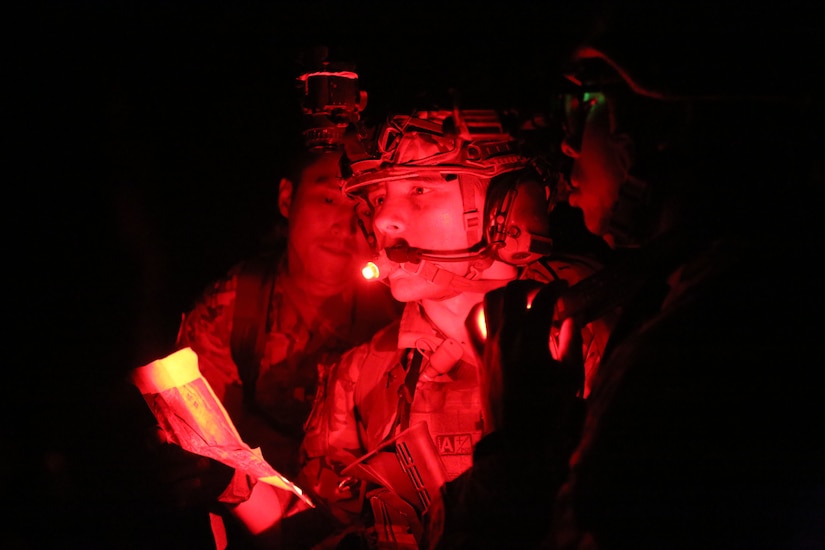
{"type": "Point", "coordinates": [425, 213]}
{"type": "Point", "coordinates": [599, 162]}
{"type": "Point", "coordinates": [326, 247]}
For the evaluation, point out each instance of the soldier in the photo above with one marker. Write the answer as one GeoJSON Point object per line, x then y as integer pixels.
{"type": "Point", "coordinates": [697, 437]}
{"type": "Point", "coordinates": [305, 299]}
{"type": "Point", "coordinates": [455, 210]}
{"type": "Point", "coordinates": [696, 151]}
{"type": "Point", "coordinates": [261, 332]}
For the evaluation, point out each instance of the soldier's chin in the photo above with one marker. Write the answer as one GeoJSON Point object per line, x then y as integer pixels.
{"type": "Point", "coordinates": [333, 253]}
{"type": "Point", "coordinates": [329, 287]}
{"type": "Point", "coordinates": [337, 275]}
{"type": "Point", "coordinates": [331, 261]}
{"type": "Point", "coordinates": [596, 222]}
{"type": "Point", "coordinates": [403, 289]}
{"type": "Point", "coordinates": [412, 289]}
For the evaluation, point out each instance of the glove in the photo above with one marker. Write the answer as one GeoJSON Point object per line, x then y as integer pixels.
{"type": "Point", "coordinates": [533, 418]}
{"type": "Point", "coordinates": [523, 384]}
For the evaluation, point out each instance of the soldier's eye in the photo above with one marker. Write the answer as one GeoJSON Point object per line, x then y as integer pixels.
{"type": "Point", "coordinates": [376, 200]}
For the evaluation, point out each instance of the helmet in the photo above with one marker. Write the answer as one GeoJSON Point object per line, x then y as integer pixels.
{"type": "Point", "coordinates": [468, 148]}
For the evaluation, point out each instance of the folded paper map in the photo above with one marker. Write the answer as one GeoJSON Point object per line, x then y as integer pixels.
{"type": "Point", "coordinates": [190, 413]}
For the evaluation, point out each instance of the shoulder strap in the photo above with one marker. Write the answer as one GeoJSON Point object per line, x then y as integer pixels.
{"type": "Point", "coordinates": [256, 281]}
{"type": "Point", "coordinates": [412, 365]}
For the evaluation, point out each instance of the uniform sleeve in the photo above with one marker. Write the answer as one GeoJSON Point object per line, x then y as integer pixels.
{"type": "Point", "coordinates": [206, 328]}
{"type": "Point", "coordinates": [331, 440]}
{"type": "Point", "coordinates": [595, 334]}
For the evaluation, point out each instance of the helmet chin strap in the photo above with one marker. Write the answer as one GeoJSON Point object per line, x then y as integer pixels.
{"type": "Point", "coordinates": [446, 279]}
{"type": "Point", "coordinates": [420, 262]}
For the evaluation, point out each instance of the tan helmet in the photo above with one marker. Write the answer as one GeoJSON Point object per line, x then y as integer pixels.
{"type": "Point", "coordinates": [470, 148]}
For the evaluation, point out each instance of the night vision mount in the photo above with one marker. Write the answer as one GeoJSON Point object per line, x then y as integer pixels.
{"type": "Point", "coordinates": [331, 99]}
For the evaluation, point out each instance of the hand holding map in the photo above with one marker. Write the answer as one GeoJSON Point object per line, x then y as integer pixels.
{"type": "Point", "coordinates": [193, 418]}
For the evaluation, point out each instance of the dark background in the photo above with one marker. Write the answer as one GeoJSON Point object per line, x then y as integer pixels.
{"type": "Point", "coordinates": [145, 141]}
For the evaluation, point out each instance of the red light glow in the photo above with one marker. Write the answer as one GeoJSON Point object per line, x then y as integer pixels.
{"type": "Point", "coordinates": [481, 324]}
{"type": "Point", "coordinates": [370, 271]}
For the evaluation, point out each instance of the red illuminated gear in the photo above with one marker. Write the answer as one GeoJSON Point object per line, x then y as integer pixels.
{"type": "Point", "coordinates": [331, 100]}
{"type": "Point", "coordinates": [469, 144]}
{"type": "Point", "coordinates": [356, 407]}
{"type": "Point", "coordinates": [470, 148]}
{"type": "Point", "coordinates": [284, 379]}
{"type": "Point", "coordinates": [445, 142]}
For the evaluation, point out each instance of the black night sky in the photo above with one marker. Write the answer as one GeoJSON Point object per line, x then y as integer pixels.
{"type": "Point", "coordinates": [147, 147]}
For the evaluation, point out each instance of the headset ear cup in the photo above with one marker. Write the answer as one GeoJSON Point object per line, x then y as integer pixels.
{"type": "Point", "coordinates": [516, 208]}
{"type": "Point", "coordinates": [493, 216]}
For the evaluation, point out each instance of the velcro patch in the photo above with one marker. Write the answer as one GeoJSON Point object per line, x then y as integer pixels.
{"type": "Point", "coordinates": [454, 444]}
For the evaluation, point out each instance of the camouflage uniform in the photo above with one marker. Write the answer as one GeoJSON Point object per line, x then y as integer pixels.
{"type": "Point", "coordinates": [288, 374]}
{"type": "Point", "coordinates": [357, 410]}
